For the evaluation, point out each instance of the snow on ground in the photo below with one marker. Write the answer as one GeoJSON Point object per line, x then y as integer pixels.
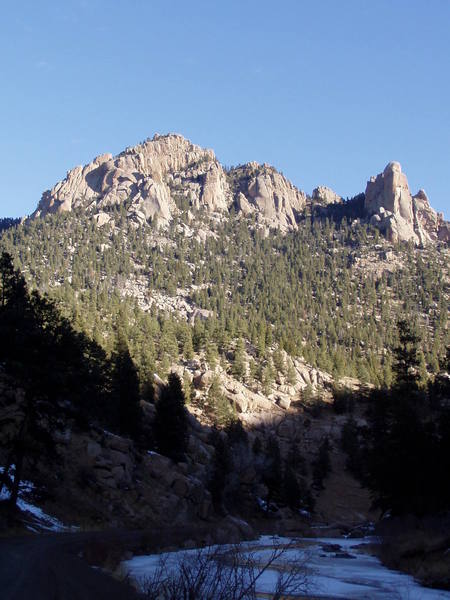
{"type": "Point", "coordinates": [38, 520]}
{"type": "Point", "coordinates": [335, 568]}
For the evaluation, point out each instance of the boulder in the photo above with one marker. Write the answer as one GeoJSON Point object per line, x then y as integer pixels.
{"type": "Point", "coordinates": [93, 449]}
{"type": "Point", "coordinates": [102, 218]}
{"type": "Point", "coordinates": [157, 464]}
{"type": "Point", "coordinates": [205, 509]}
{"type": "Point", "coordinates": [288, 390]}
{"type": "Point", "coordinates": [284, 402]}
{"type": "Point", "coordinates": [118, 473]}
{"type": "Point", "coordinates": [240, 402]}
{"type": "Point", "coordinates": [199, 452]}
{"type": "Point", "coordinates": [121, 459]}
{"type": "Point", "coordinates": [118, 443]}
{"type": "Point", "coordinates": [180, 486]}
{"type": "Point", "coordinates": [286, 429]}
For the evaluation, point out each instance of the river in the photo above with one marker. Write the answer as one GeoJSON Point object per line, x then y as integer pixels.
{"type": "Point", "coordinates": [335, 568]}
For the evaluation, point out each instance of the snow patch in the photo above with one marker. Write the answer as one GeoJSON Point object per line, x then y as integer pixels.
{"type": "Point", "coordinates": [39, 520]}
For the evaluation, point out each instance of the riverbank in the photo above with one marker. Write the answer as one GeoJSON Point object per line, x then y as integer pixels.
{"type": "Point", "coordinates": [419, 547]}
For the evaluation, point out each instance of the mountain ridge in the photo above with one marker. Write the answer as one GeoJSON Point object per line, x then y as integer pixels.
{"type": "Point", "coordinates": [162, 175]}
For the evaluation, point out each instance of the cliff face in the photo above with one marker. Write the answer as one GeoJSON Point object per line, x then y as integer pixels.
{"type": "Point", "coordinates": [398, 214]}
{"type": "Point", "coordinates": [262, 191]}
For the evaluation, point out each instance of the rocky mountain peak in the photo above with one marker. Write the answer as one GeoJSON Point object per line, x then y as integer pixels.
{"type": "Point", "coordinates": [263, 191]}
{"type": "Point", "coordinates": [399, 215]}
{"type": "Point", "coordinates": [164, 154]}
{"type": "Point", "coordinates": [148, 177]}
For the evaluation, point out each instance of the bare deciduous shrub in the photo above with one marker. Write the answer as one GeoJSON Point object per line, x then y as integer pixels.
{"type": "Point", "coordinates": [225, 573]}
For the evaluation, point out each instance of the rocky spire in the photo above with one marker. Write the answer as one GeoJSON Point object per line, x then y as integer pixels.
{"type": "Point", "coordinates": [402, 217]}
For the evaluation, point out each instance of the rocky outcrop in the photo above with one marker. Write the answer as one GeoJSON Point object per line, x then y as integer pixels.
{"type": "Point", "coordinates": [148, 178]}
{"type": "Point", "coordinates": [263, 191]}
{"type": "Point", "coordinates": [388, 202]}
{"type": "Point", "coordinates": [137, 488]}
{"type": "Point", "coordinates": [429, 224]}
{"type": "Point", "coordinates": [400, 216]}
{"type": "Point", "coordinates": [324, 195]}
{"type": "Point", "coordinates": [251, 404]}
{"type": "Point", "coordinates": [158, 177]}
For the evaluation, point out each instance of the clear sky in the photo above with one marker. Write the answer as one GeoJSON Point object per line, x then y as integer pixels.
{"type": "Point", "coordinates": [328, 91]}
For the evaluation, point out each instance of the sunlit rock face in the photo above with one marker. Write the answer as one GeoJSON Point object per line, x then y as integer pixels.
{"type": "Point", "coordinates": [151, 177]}
{"type": "Point", "coordinates": [154, 180]}
{"type": "Point", "coordinates": [148, 177]}
{"type": "Point", "coordinates": [263, 191]}
{"type": "Point", "coordinates": [399, 215]}
{"type": "Point", "coordinates": [325, 195]}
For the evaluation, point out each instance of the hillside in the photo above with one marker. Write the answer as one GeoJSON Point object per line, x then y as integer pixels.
{"type": "Point", "coordinates": [269, 303]}
{"type": "Point", "coordinates": [165, 233]}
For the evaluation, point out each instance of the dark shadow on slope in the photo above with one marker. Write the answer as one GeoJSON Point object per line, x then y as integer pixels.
{"type": "Point", "coordinates": [7, 223]}
{"type": "Point", "coordinates": [350, 209]}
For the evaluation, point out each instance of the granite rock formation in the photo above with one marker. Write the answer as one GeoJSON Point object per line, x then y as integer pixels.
{"type": "Point", "coordinates": [263, 191]}
{"type": "Point", "coordinates": [325, 195]}
{"type": "Point", "coordinates": [148, 177]}
{"type": "Point", "coordinates": [154, 178]}
{"type": "Point", "coordinates": [399, 215]}
{"type": "Point", "coordinates": [157, 179]}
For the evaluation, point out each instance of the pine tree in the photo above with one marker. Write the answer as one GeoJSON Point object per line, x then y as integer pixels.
{"type": "Point", "coordinates": [252, 369]}
{"type": "Point", "coordinates": [238, 367]}
{"type": "Point", "coordinates": [222, 411]}
{"type": "Point", "coordinates": [406, 356]}
{"type": "Point", "coordinates": [52, 362]}
{"type": "Point", "coordinates": [221, 467]}
{"type": "Point", "coordinates": [291, 374]}
{"type": "Point", "coordinates": [188, 388]}
{"type": "Point", "coordinates": [212, 354]}
{"type": "Point", "coordinates": [322, 464]}
{"type": "Point", "coordinates": [268, 377]}
{"type": "Point", "coordinates": [273, 473]}
{"type": "Point", "coordinates": [278, 361]}
{"type": "Point", "coordinates": [126, 390]}
{"type": "Point", "coordinates": [170, 424]}
{"type": "Point", "coordinates": [12, 284]}
{"type": "Point", "coordinates": [291, 488]}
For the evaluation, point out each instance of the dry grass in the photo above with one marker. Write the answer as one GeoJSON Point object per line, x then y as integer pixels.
{"type": "Point", "coordinates": [420, 548]}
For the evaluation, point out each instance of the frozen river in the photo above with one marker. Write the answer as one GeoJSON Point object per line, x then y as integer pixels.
{"type": "Point", "coordinates": [335, 568]}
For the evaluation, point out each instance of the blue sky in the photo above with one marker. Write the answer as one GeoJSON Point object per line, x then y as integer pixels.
{"type": "Point", "coordinates": [327, 91]}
